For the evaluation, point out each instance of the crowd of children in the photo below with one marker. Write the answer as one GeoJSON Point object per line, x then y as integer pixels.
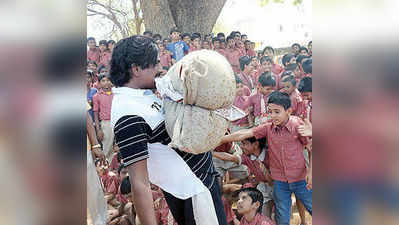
{"type": "Point", "coordinates": [264, 158]}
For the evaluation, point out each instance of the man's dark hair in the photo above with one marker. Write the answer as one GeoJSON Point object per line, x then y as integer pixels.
{"type": "Point", "coordinates": [305, 85]}
{"type": "Point", "coordinates": [135, 50]}
{"type": "Point", "coordinates": [280, 98]}
{"type": "Point", "coordinates": [266, 58]}
{"type": "Point", "coordinates": [174, 29]}
{"type": "Point", "coordinates": [125, 186]}
{"type": "Point", "coordinates": [307, 66]}
{"type": "Point", "coordinates": [255, 195]}
{"type": "Point", "coordinates": [286, 58]}
{"type": "Point", "coordinates": [148, 32]}
{"type": "Point", "coordinates": [267, 80]}
{"type": "Point", "coordinates": [121, 166]}
{"type": "Point", "coordinates": [268, 48]}
{"type": "Point", "coordinates": [244, 61]}
{"type": "Point", "coordinates": [290, 79]}
{"type": "Point", "coordinates": [91, 38]}
{"type": "Point", "coordinates": [291, 67]}
{"type": "Point", "coordinates": [103, 42]}
{"type": "Point", "coordinates": [303, 48]}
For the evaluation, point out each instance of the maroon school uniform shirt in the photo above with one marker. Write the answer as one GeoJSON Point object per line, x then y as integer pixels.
{"type": "Point", "coordinates": [94, 54]}
{"type": "Point", "coordinates": [258, 220]}
{"type": "Point", "coordinates": [251, 53]}
{"type": "Point", "coordinates": [221, 51]}
{"type": "Point", "coordinates": [255, 101]}
{"type": "Point", "coordinates": [102, 104]}
{"type": "Point", "coordinates": [230, 215]}
{"type": "Point", "coordinates": [110, 182]}
{"type": "Point", "coordinates": [296, 103]}
{"type": "Point", "coordinates": [165, 59]}
{"type": "Point", "coordinates": [240, 102]}
{"type": "Point", "coordinates": [232, 55]}
{"type": "Point", "coordinates": [105, 58]}
{"type": "Point", "coordinates": [277, 69]}
{"type": "Point", "coordinates": [257, 166]}
{"type": "Point", "coordinates": [247, 80]}
{"type": "Point", "coordinates": [286, 159]}
{"type": "Point", "coordinates": [114, 163]}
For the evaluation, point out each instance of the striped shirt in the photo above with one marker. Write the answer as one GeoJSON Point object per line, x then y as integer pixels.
{"type": "Point", "coordinates": [132, 135]}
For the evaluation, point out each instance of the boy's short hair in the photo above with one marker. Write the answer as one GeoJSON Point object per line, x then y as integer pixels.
{"type": "Point", "coordinates": [266, 79]}
{"type": "Point", "coordinates": [121, 166]}
{"type": "Point", "coordinates": [102, 76]}
{"type": "Point", "coordinates": [268, 48]}
{"type": "Point", "coordinates": [244, 35]}
{"type": "Point", "coordinates": [100, 68]}
{"type": "Point", "coordinates": [215, 39]}
{"type": "Point", "coordinates": [295, 44]}
{"type": "Point", "coordinates": [220, 35]}
{"type": "Point", "coordinates": [91, 62]}
{"type": "Point", "coordinates": [186, 35]}
{"type": "Point", "coordinates": [125, 186]}
{"type": "Point", "coordinates": [91, 38]}
{"type": "Point", "coordinates": [229, 38]}
{"type": "Point", "coordinates": [265, 58]}
{"type": "Point", "coordinates": [244, 61]}
{"type": "Point", "coordinates": [255, 195]}
{"type": "Point", "coordinates": [111, 42]}
{"type": "Point", "coordinates": [286, 73]}
{"type": "Point", "coordinates": [300, 58]}
{"type": "Point", "coordinates": [262, 142]}
{"type": "Point", "coordinates": [247, 41]}
{"type": "Point", "coordinates": [157, 36]}
{"type": "Point", "coordinates": [290, 79]}
{"type": "Point", "coordinates": [286, 58]}
{"type": "Point", "coordinates": [174, 29]}
{"type": "Point", "coordinates": [280, 98]}
{"type": "Point", "coordinates": [195, 36]}
{"type": "Point", "coordinates": [148, 32]}
{"type": "Point", "coordinates": [198, 34]}
{"type": "Point", "coordinates": [291, 67]}
{"type": "Point", "coordinates": [103, 42]}
{"type": "Point", "coordinates": [305, 85]}
{"type": "Point", "coordinates": [307, 66]}
{"type": "Point", "coordinates": [303, 48]}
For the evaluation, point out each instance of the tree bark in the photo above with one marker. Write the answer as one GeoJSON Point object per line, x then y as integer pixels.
{"type": "Point", "coordinates": [157, 16]}
{"type": "Point", "coordinates": [196, 15]}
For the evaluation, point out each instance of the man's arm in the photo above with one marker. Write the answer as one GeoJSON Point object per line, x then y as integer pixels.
{"type": "Point", "coordinates": [237, 136]}
{"type": "Point", "coordinates": [141, 190]}
{"type": "Point", "coordinates": [227, 157]}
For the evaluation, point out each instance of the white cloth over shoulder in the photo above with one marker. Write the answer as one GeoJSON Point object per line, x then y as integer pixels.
{"type": "Point", "coordinates": [166, 168]}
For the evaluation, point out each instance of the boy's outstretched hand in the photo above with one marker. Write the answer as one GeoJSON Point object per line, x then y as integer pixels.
{"type": "Point", "coordinates": [306, 129]}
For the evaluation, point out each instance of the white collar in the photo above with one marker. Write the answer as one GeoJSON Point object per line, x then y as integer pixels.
{"type": "Point", "coordinates": [132, 91]}
{"type": "Point", "coordinates": [261, 157]}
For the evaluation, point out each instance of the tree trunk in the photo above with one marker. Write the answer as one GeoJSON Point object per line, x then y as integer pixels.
{"type": "Point", "coordinates": [188, 15]}
{"type": "Point", "coordinates": [196, 15]}
{"type": "Point", "coordinates": [157, 16]}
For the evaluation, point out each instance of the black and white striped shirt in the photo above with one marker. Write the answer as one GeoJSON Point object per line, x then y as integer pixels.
{"type": "Point", "coordinates": [132, 135]}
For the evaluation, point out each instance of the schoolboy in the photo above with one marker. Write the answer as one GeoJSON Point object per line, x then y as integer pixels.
{"type": "Point", "coordinates": [289, 87]}
{"type": "Point", "coordinates": [233, 54]}
{"type": "Point", "coordinates": [286, 158]}
{"type": "Point", "coordinates": [105, 55]}
{"type": "Point", "coordinates": [245, 74]}
{"type": "Point", "coordinates": [178, 47]}
{"type": "Point", "coordinates": [276, 68]}
{"type": "Point", "coordinates": [93, 54]}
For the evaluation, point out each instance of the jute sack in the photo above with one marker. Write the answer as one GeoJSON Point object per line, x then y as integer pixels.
{"type": "Point", "coordinates": [206, 80]}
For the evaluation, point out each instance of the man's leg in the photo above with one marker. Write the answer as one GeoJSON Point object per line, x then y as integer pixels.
{"type": "Point", "coordinates": [302, 194]}
{"type": "Point", "coordinates": [177, 208]}
{"type": "Point", "coordinates": [282, 198]}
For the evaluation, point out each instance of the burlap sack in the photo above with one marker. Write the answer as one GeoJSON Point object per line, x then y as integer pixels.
{"type": "Point", "coordinates": [206, 80]}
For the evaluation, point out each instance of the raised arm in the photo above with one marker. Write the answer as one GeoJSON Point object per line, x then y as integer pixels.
{"type": "Point", "coordinates": [237, 136]}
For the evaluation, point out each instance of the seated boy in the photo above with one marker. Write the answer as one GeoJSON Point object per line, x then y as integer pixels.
{"type": "Point", "coordinates": [249, 206]}
{"type": "Point", "coordinates": [287, 162]}
{"type": "Point", "coordinates": [258, 101]}
{"type": "Point", "coordinates": [289, 87]}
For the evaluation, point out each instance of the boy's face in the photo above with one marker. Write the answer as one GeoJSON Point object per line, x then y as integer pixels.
{"type": "Point", "coordinates": [223, 45]}
{"type": "Point", "coordinates": [247, 45]}
{"type": "Point", "coordinates": [175, 35]}
{"type": "Point", "coordinates": [245, 204]}
{"type": "Point", "coordinates": [303, 52]}
{"type": "Point", "coordinates": [267, 66]}
{"type": "Point", "coordinates": [187, 39]}
{"type": "Point", "coordinates": [278, 114]}
{"type": "Point", "coordinates": [295, 49]}
{"type": "Point", "coordinates": [307, 96]}
{"type": "Point", "coordinates": [197, 42]}
{"type": "Point", "coordinates": [105, 83]}
{"type": "Point", "coordinates": [92, 67]}
{"type": "Point", "coordinates": [252, 45]}
{"type": "Point", "coordinates": [248, 68]}
{"type": "Point", "coordinates": [269, 53]}
{"type": "Point", "coordinates": [237, 38]}
{"type": "Point", "coordinates": [124, 173]}
{"type": "Point", "coordinates": [240, 44]}
{"type": "Point", "coordinates": [244, 38]}
{"type": "Point", "coordinates": [91, 44]}
{"type": "Point", "coordinates": [255, 62]}
{"type": "Point", "coordinates": [205, 45]}
{"type": "Point", "coordinates": [287, 87]}
{"type": "Point", "coordinates": [103, 71]}
{"type": "Point", "coordinates": [216, 44]}
{"type": "Point", "coordinates": [103, 47]}
{"type": "Point", "coordinates": [166, 42]}
{"type": "Point", "coordinates": [161, 47]}
{"type": "Point", "coordinates": [297, 72]}
{"type": "Point", "coordinates": [111, 46]}
{"type": "Point", "coordinates": [231, 43]}
{"type": "Point", "coordinates": [248, 147]}
{"type": "Point", "coordinates": [239, 89]}
{"type": "Point", "coordinates": [265, 90]}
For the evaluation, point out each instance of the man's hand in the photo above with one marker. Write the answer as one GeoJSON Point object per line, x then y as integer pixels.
{"type": "Point", "coordinates": [309, 180]}
{"type": "Point", "coordinates": [100, 135]}
{"type": "Point", "coordinates": [306, 129]}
